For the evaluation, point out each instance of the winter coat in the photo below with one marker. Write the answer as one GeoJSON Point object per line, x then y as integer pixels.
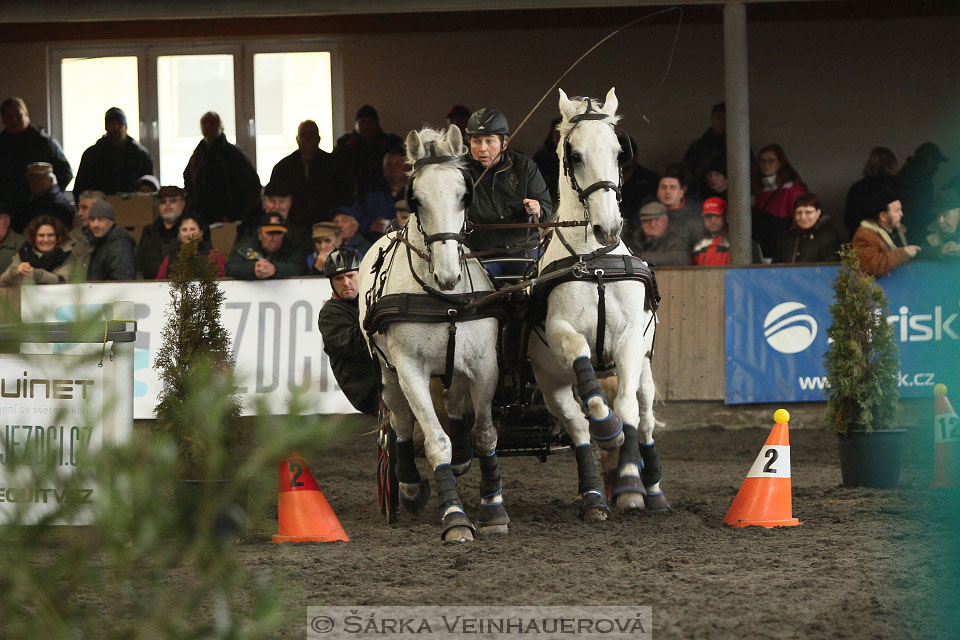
{"type": "Point", "coordinates": [356, 372]}
{"type": "Point", "coordinates": [773, 210]}
{"type": "Point", "coordinates": [111, 168]}
{"type": "Point", "coordinates": [862, 197]}
{"type": "Point", "coordinates": [52, 203]}
{"type": "Point", "coordinates": [220, 182]}
{"type": "Point", "coordinates": [819, 244]}
{"type": "Point", "coordinates": [712, 251]}
{"type": "Point", "coordinates": [18, 151]}
{"type": "Point", "coordinates": [289, 261]}
{"type": "Point", "coordinates": [667, 250]}
{"type": "Point", "coordinates": [9, 247]}
{"type": "Point", "coordinates": [113, 255]}
{"type": "Point", "coordinates": [317, 186]}
{"type": "Point", "coordinates": [499, 199]}
{"type": "Point", "coordinates": [879, 253]}
{"type": "Point", "coordinates": [363, 159]}
{"type": "Point", "coordinates": [68, 270]}
{"type": "Point", "coordinates": [156, 243]}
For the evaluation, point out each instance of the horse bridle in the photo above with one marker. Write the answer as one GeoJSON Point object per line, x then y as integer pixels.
{"type": "Point", "coordinates": [568, 171]}
{"type": "Point", "coordinates": [414, 204]}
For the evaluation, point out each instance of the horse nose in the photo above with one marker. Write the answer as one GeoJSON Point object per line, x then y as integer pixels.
{"type": "Point", "coordinates": [603, 236]}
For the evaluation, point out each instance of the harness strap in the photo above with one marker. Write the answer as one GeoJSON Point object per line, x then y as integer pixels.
{"type": "Point", "coordinates": [451, 351]}
{"type": "Point", "coordinates": [601, 316]}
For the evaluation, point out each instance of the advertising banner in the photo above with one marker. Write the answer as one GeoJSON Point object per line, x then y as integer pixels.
{"type": "Point", "coordinates": [272, 324]}
{"type": "Point", "coordinates": [777, 320]}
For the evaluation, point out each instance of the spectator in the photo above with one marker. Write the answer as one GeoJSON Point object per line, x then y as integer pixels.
{"type": "Point", "coordinates": [880, 240]}
{"type": "Point", "coordinates": [45, 198]}
{"type": "Point", "coordinates": [375, 211]}
{"type": "Point", "coordinates": [943, 237]}
{"type": "Point", "coordinates": [268, 255]}
{"type": "Point", "coordinates": [22, 143]}
{"type": "Point", "coordinates": [714, 250]}
{"type": "Point", "coordinates": [81, 240]}
{"type": "Point", "coordinates": [317, 180]}
{"type": "Point", "coordinates": [115, 163]}
{"type": "Point", "coordinates": [708, 149]}
{"type": "Point", "coordinates": [512, 191]}
{"type": "Point", "coordinates": [458, 115]}
{"type": "Point", "coordinates": [654, 242]}
{"type": "Point", "coordinates": [190, 227]}
{"type": "Point", "coordinates": [916, 185]}
{"type": "Point", "coordinates": [776, 185]}
{"type": "Point", "coordinates": [160, 237]}
{"type": "Point", "coordinates": [717, 179]}
{"type": "Point", "coordinates": [879, 174]}
{"type": "Point", "coordinates": [10, 240]}
{"type": "Point", "coordinates": [810, 238]}
{"type": "Point", "coordinates": [684, 213]}
{"type": "Point", "coordinates": [326, 238]}
{"type": "Point", "coordinates": [350, 236]}
{"type": "Point", "coordinates": [277, 198]}
{"type": "Point", "coordinates": [220, 183]}
{"type": "Point", "coordinates": [361, 150]}
{"type": "Point", "coordinates": [113, 246]}
{"type": "Point", "coordinates": [46, 256]}
{"type": "Point", "coordinates": [148, 184]}
{"type": "Point", "coordinates": [339, 322]}
{"type": "Point", "coordinates": [548, 162]}
{"type": "Point", "coordinates": [639, 184]}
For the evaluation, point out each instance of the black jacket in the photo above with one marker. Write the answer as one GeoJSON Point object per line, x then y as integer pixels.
{"type": "Point", "coordinates": [220, 181]}
{"type": "Point", "coordinates": [317, 187]}
{"type": "Point", "coordinates": [112, 257]}
{"type": "Point", "coordinates": [356, 372]}
{"type": "Point", "coordinates": [364, 158]}
{"type": "Point", "coordinates": [499, 199]}
{"type": "Point", "coordinates": [862, 197]}
{"type": "Point", "coordinates": [111, 168]}
{"type": "Point", "coordinates": [52, 203]}
{"type": "Point", "coordinates": [820, 244]}
{"type": "Point", "coordinates": [156, 243]}
{"type": "Point", "coordinates": [17, 151]}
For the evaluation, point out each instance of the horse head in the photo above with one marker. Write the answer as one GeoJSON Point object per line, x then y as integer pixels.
{"type": "Point", "coordinates": [438, 194]}
{"type": "Point", "coordinates": [588, 151]}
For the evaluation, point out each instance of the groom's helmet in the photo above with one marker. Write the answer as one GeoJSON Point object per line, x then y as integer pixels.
{"type": "Point", "coordinates": [341, 260]}
{"type": "Point", "coordinates": [487, 122]}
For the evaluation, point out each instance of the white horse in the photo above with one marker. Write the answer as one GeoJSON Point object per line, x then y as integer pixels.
{"type": "Point", "coordinates": [425, 259]}
{"type": "Point", "coordinates": [563, 351]}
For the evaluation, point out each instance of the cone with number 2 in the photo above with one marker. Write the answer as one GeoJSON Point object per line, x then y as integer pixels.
{"type": "Point", "coordinates": [765, 498]}
{"type": "Point", "coordinates": [945, 444]}
{"type": "Point", "coordinates": [304, 515]}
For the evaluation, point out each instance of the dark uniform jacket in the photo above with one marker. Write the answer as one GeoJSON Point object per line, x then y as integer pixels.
{"type": "Point", "coordinates": [317, 186]}
{"type": "Point", "coordinates": [112, 257]}
{"type": "Point", "coordinates": [356, 372]}
{"type": "Point", "coordinates": [220, 181]}
{"type": "Point", "coordinates": [156, 243]}
{"type": "Point", "coordinates": [17, 151]}
{"type": "Point", "coordinates": [113, 168]}
{"type": "Point", "coordinates": [289, 261]}
{"type": "Point", "coordinates": [499, 199]}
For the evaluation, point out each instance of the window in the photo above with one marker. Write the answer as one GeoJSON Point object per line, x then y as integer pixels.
{"type": "Point", "coordinates": [261, 91]}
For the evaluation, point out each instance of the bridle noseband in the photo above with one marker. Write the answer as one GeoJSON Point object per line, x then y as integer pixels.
{"type": "Point", "coordinates": [414, 205]}
{"type": "Point", "coordinates": [568, 171]}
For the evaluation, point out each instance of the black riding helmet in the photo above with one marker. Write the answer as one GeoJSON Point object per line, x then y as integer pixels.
{"type": "Point", "coordinates": [340, 261]}
{"type": "Point", "coordinates": [487, 122]}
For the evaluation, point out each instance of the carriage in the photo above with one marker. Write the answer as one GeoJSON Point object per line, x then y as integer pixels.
{"type": "Point", "coordinates": [523, 354]}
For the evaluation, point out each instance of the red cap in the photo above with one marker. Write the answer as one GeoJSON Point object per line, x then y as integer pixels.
{"type": "Point", "coordinates": [717, 206]}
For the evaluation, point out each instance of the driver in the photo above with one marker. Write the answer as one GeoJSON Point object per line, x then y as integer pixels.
{"type": "Point", "coordinates": [511, 191]}
{"type": "Point", "coordinates": [356, 372]}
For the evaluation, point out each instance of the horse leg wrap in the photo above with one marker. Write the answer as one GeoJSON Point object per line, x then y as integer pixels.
{"type": "Point", "coordinates": [590, 487]}
{"type": "Point", "coordinates": [654, 502]}
{"type": "Point", "coordinates": [627, 481]}
{"type": "Point", "coordinates": [409, 478]}
{"type": "Point", "coordinates": [462, 445]}
{"type": "Point", "coordinates": [493, 516]}
{"type": "Point", "coordinates": [605, 432]}
{"type": "Point", "coordinates": [451, 509]}
{"type": "Point", "coordinates": [587, 384]}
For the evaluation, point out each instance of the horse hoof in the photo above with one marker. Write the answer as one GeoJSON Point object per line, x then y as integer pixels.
{"type": "Point", "coordinates": [460, 468]}
{"type": "Point", "coordinates": [458, 534]}
{"type": "Point", "coordinates": [656, 503]}
{"type": "Point", "coordinates": [494, 529]}
{"type": "Point", "coordinates": [419, 501]}
{"type": "Point", "coordinates": [630, 501]}
{"type": "Point", "coordinates": [493, 519]}
{"type": "Point", "coordinates": [593, 508]}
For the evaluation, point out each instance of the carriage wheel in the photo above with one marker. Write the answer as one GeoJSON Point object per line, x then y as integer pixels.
{"type": "Point", "coordinates": [388, 490]}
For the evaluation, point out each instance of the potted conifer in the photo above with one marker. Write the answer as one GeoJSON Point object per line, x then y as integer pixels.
{"type": "Point", "coordinates": [862, 362]}
{"type": "Point", "coordinates": [199, 406]}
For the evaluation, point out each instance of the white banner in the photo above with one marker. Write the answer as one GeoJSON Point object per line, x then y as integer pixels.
{"type": "Point", "coordinates": [52, 412]}
{"type": "Point", "coordinates": [272, 324]}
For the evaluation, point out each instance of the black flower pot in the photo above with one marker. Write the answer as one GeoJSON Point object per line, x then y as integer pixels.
{"type": "Point", "coordinates": [871, 459]}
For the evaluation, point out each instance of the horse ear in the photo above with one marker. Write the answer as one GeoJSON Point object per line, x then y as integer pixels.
{"type": "Point", "coordinates": [455, 140]}
{"type": "Point", "coordinates": [610, 102]}
{"type": "Point", "coordinates": [415, 149]}
{"type": "Point", "coordinates": [567, 108]}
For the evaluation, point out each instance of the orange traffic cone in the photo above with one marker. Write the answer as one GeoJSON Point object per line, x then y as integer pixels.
{"type": "Point", "coordinates": [764, 498]}
{"type": "Point", "coordinates": [945, 436]}
{"type": "Point", "coordinates": [304, 513]}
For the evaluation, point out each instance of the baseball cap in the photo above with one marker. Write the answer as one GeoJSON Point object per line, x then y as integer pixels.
{"type": "Point", "coordinates": [273, 222]}
{"type": "Point", "coordinates": [715, 206]}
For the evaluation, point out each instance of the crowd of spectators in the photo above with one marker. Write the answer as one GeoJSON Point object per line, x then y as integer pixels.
{"type": "Point", "coordinates": [316, 202]}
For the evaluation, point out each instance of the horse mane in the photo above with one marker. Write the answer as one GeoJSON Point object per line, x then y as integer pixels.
{"type": "Point", "coordinates": [582, 101]}
{"type": "Point", "coordinates": [435, 143]}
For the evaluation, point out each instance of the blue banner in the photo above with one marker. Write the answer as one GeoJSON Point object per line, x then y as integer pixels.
{"type": "Point", "coordinates": [777, 320]}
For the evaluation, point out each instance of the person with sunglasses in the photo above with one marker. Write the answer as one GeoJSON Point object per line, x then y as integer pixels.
{"type": "Point", "coordinates": [159, 239]}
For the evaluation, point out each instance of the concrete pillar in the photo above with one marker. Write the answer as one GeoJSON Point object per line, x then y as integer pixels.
{"type": "Point", "coordinates": [737, 95]}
